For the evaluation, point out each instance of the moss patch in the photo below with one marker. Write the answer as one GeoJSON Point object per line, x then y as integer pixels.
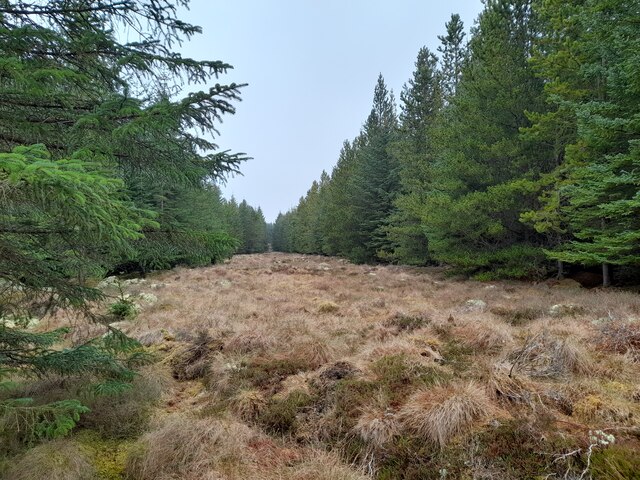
{"type": "Point", "coordinates": [108, 455]}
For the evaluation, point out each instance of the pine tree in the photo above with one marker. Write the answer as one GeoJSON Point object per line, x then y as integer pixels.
{"type": "Point", "coordinates": [453, 51]}
{"type": "Point", "coordinates": [600, 192]}
{"type": "Point", "coordinates": [484, 174]}
{"type": "Point", "coordinates": [421, 102]}
{"type": "Point", "coordinates": [375, 180]}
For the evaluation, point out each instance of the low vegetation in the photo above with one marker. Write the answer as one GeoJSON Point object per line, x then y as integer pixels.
{"type": "Point", "coordinates": [411, 376]}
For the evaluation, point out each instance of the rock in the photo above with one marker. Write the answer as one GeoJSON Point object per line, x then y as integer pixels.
{"type": "Point", "coordinates": [225, 283]}
{"type": "Point", "coordinates": [149, 298]}
{"type": "Point", "coordinates": [474, 305]}
{"type": "Point", "coordinates": [122, 325]}
{"type": "Point", "coordinates": [134, 281]}
{"type": "Point", "coordinates": [108, 282]}
{"type": "Point", "coordinates": [566, 309]}
{"type": "Point", "coordinates": [324, 266]}
{"type": "Point", "coordinates": [23, 323]}
{"type": "Point", "coordinates": [155, 286]}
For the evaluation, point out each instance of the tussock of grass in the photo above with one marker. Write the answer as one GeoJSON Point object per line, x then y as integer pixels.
{"type": "Point", "coordinates": [377, 426]}
{"type": "Point", "coordinates": [55, 460]}
{"type": "Point", "coordinates": [185, 447]}
{"type": "Point", "coordinates": [313, 358]}
{"type": "Point", "coordinates": [248, 404]}
{"type": "Point", "coordinates": [544, 355]}
{"type": "Point", "coordinates": [440, 413]}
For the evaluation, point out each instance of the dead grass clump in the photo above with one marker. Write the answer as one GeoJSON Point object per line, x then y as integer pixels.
{"type": "Point", "coordinates": [485, 337]}
{"type": "Point", "coordinates": [250, 341]}
{"type": "Point", "coordinates": [377, 426]}
{"type": "Point", "coordinates": [313, 352]}
{"type": "Point", "coordinates": [440, 413]}
{"type": "Point", "coordinates": [406, 323]}
{"type": "Point", "coordinates": [322, 466]}
{"type": "Point", "coordinates": [126, 414]}
{"type": "Point", "coordinates": [544, 355]}
{"type": "Point", "coordinates": [503, 386]}
{"type": "Point", "coordinates": [55, 460]}
{"type": "Point", "coordinates": [192, 361]}
{"type": "Point", "coordinates": [620, 337]}
{"type": "Point", "coordinates": [185, 447]}
{"type": "Point", "coordinates": [248, 404]}
{"type": "Point", "coordinates": [328, 307]}
{"type": "Point", "coordinates": [517, 316]}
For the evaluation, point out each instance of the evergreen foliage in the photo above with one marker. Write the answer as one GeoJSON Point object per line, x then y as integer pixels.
{"type": "Point", "coordinates": [104, 166]}
{"type": "Point", "coordinates": [512, 151]}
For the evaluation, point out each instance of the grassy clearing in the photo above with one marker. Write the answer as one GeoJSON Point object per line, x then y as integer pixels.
{"type": "Point", "coordinates": [294, 367]}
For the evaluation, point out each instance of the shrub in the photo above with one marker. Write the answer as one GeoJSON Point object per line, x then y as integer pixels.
{"type": "Point", "coordinates": [123, 309]}
{"type": "Point", "coordinates": [620, 337]}
{"type": "Point", "coordinates": [192, 361]}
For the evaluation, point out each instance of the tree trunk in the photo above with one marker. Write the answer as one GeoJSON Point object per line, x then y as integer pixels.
{"type": "Point", "coordinates": [606, 275]}
{"type": "Point", "coordinates": [560, 275]}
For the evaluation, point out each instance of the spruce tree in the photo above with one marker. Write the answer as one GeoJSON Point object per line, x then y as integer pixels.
{"type": "Point", "coordinates": [421, 101]}
{"type": "Point", "coordinates": [484, 172]}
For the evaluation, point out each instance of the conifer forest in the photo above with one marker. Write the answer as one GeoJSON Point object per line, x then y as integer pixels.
{"type": "Point", "coordinates": [458, 298]}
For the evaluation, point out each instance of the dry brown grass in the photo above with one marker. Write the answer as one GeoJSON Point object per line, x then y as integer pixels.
{"type": "Point", "coordinates": [337, 336]}
{"type": "Point", "coordinates": [186, 447]}
{"type": "Point", "coordinates": [441, 413]}
{"type": "Point", "coordinates": [377, 426]}
{"type": "Point", "coordinates": [56, 460]}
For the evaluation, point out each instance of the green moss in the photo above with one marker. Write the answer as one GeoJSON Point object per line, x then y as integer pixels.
{"type": "Point", "coordinates": [523, 450]}
{"type": "Point", "coordinates": [280, 415]}
{"type": "Point", "coordinates": [517, 316]}
{"type": "Point", "coordinates": [349, 397]}
{"type": "Point", "coordinates": [410, 458]}
{"type": "Point", "coordinates": [457, 355]}
{"type": "Point", "coordinates": [396, 375]}
{"type": "Point", "coordinates": [265, 373]}
{"type": "Point", "coordinates": [616, 462]}
{"type": "Point", "coordinates": [108, 455]}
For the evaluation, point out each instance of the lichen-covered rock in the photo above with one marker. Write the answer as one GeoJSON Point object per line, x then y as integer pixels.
{"type": "Point", "coordinates": [474, 305]}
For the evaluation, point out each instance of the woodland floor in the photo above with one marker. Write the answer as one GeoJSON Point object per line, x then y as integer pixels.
{"type": "Point", "coordinates": [278, 366]}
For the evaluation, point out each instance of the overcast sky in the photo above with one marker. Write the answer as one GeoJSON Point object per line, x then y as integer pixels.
{"type": "Point", "coordinates": [311, 66]}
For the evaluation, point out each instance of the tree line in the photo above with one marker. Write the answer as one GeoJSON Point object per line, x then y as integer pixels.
{"type": "Point", "coordinates": [514, 153]}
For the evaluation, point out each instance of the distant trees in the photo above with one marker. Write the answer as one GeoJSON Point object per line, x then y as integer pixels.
{"type": "Point", "coordinates": [512, 151]}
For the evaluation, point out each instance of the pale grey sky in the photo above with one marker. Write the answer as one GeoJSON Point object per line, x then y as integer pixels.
{"type": "Point", "coordinates": [311, 66]}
